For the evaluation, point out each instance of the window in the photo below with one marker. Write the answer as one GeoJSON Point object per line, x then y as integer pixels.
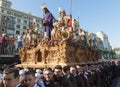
{"type": "Point", "coordinates": [3, 23]}
{"type": "Point", "coordinates": [24, 22]}
{"type": "Point", "coordinates": [4, 17]}
{"type": "Point", "coordinates": [12, 14]}
{"type": "Point", "coordinates": [37, 20]}
{"type": "Point", "coordinates": [38, 25]}
{"type": "Point", "coordinates": [17, 32]}
{"type": "Point", "coordinates": [3, 30]}
{"type": "Point", "coordinates": [12, 19]}
{"type": "Point", "coordinates": [6, 5]}
{"type": "Point", "coordinates": [31, 19]}
{"type": "Point", "coordinates": [24, 27]}
{"type": "Point", "coordinates": [30, 23]}
{"type": "Point", "coordinates": [2, 11]}
{"type": "Point", "coordinates": [10, 25]}
{"type": "Point", "coordinates": [15, 14]}
{"type": "Point", "coordinates": [18, 20]}
{"type": "Point", "coordinates": [10, 31]}
{"type": "Point", "coordinates": [18, 26]}
{"type": "Point", "coordinates": [25, 17]}
{"type": "Point", "coordinates": [18, 15]}
{"type": "Point", "coordinates": [8, 12]}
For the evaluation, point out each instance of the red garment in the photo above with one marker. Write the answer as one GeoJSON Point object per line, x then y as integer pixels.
{"type": "Point", "coordinates": [0, 40]}
{"type": "Point", "coordinates": [69, 23]}
{"type": "Point", "coordinates": [3, 39]}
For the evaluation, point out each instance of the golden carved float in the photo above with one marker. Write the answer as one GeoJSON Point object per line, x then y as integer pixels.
{"type": "Point", "coordinates": [72, 46]}
{"type": "Point", "coordinates": [62, 53]}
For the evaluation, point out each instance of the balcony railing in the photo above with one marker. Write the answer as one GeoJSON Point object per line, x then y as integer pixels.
{"type": "Point", "coordinates": [7, 47]}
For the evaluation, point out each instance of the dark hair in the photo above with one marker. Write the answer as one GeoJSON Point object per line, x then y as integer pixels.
{"type": "Point", "coordinates": [11, 70]}
{"type": "Point", "coordinates": [30, 72]}
{"type": "Point", "coordinates": [48, 68]}
{"type": "Point", "coordinates": [58, 67]}
{"type": "Point", "coordinates": [46, 10]}
{"type": "Point", "coordinates": [66, 68]}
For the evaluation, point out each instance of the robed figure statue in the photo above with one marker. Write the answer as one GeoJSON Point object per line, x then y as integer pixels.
{"type": "Point", "coordinates": [47, 22]}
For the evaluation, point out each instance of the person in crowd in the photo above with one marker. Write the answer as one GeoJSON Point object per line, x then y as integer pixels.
{"type": "Point", "coordinates": [78, 79]}
{"type": "Point", "coordinates": [80, 75]}
{"type": "Point", "coordinates": [59, 77]}
{"type": "Point", "coordinates": [30, 79]}
{"type": "Point", "coordinates": [67, 74]}
{"type": "Point", "coordinates": [11, 45]}
{"type": "Point", "coordinates": [39, 77]}
{"type": "Point", "coordinates": [11, 77]}
{"type": "Point", "coordinates": [19, 40]}
{"type": "Point", "coordinates": [22, 78]}
{"type": "Point", "coordinates": [83, 74]}
{"type": "Point", "coordinates": [1, 77]}
{"type": "Point", "coordinates": [49, 80]}
{"type": "Point", "coordinates": [3, 43]}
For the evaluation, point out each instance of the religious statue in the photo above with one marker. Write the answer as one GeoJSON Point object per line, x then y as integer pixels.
{"type": "Point", "coordinates": [47, 22]}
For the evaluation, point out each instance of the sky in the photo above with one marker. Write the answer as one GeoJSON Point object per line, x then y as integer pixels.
{"type": "Point", "coordinates": [93, 15]}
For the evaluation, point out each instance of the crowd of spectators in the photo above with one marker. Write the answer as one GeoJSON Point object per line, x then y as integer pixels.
{"type": "Point", "coordinates": [85, 75]}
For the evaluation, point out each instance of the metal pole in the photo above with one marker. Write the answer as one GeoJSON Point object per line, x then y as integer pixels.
{"type": "Point", "coordinates": [78, 18]}
{"type": "Point", "coordinates": [71, 7]}
{"type": "Point", "coordinates": [71, 13]}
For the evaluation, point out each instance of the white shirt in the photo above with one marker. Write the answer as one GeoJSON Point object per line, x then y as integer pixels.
{"type": "Point", "coordinates": [19, 38]}
{"type": "Point", "coordinates": [17, 85]}
{"type": "Point", "coordinates": [1, 76]}
{"type": "Point", "coordinates": [37, 85]}
{"type": "Point", "coordinates": [41, 83]}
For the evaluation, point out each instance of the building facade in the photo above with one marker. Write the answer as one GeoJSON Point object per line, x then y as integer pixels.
{"type": "Point", "coordinates": [104, 38]}
{"type": "Point", "coordinates": [117, 53]}
{"type": "Point", "coordinates": [15, 22]}
{"type": "Point", "coordinates": [107, 48]}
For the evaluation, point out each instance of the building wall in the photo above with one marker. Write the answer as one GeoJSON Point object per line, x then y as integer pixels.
{"type": "Point", "coordinates": [104, 38]}
{"type": "Point", "coordinates": [15, 22]}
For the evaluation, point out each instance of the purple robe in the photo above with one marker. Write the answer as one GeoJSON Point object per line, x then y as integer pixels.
{"type": "Point", "coordinates": [47, 22]}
